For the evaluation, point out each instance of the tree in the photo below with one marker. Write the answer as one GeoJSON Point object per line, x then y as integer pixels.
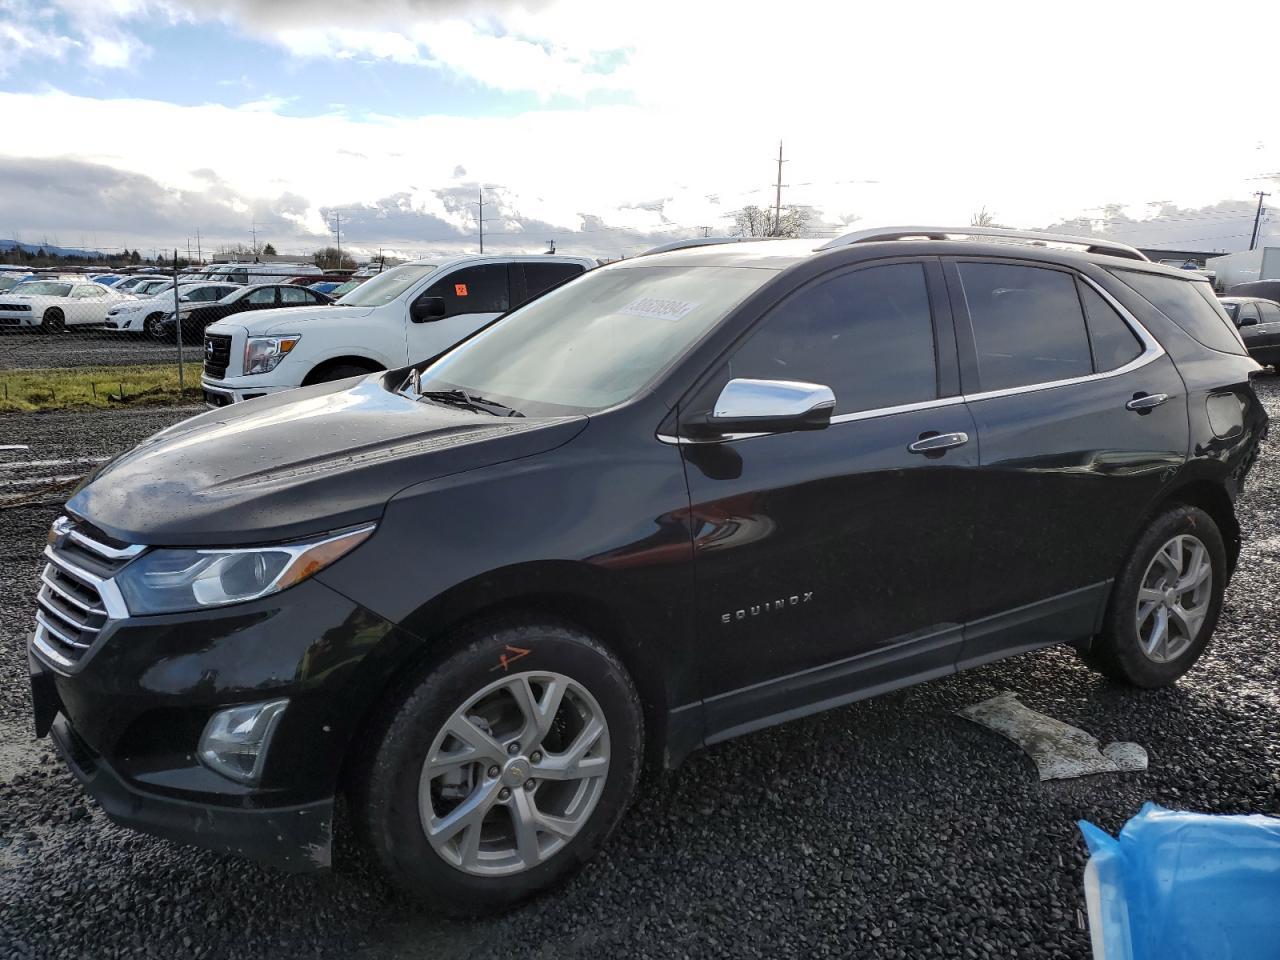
{"type": "Point", "coordinates": [135, 257]}
{"type": "Point", "coordinates": [329, 258]}
{"type": "Point", "coordinates": [982, 218]}
{"type": "Point", "coordinates": [268, 250]}
{"type": "Point", "coordinates": [753, 221]}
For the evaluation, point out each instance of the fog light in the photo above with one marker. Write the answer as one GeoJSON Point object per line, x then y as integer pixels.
{"type": "Point", "coordinates": [234, 742]}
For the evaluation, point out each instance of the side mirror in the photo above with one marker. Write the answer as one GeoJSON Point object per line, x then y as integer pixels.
{"type": "Point", "coordinates": [426, 309]}
{"type": "Point", "coordinates": [1248, 322]}
{"type": "Point", "coordinates": [767, 406]}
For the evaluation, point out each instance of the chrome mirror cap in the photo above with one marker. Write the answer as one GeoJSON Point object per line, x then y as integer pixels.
{"type": "Point", "coordinates": [772, 405]}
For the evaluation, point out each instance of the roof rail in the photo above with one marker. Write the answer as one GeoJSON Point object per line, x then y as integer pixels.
{"type": "Point", "coordinates": [1089, 244]}
{"type": "Point", "coordinates": [699, 242]}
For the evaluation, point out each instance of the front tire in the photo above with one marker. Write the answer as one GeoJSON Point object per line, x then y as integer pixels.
{"type": "Point", "coordinates": [1165, 603]}
{"type": "Point", "coordinates": [53, 321]}
{"type": "Point", "coordinates": [155, 327]}
{"type": "Point", "coordinates": [504, 769]}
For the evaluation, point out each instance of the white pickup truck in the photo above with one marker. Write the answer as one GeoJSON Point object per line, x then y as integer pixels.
{"type": "Point", "coordinates": [402, 316]}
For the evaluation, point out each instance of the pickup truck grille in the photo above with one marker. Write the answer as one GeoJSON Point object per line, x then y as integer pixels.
{"type": "Point", "coordinates": [77, 595]}
{"type": "Point", "coordinates": [217, 354]}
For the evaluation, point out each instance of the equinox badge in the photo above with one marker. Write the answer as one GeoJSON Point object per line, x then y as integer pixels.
{"type": "Point", "coordinates": [769, 606]}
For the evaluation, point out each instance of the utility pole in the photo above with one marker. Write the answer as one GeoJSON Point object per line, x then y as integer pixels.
{"type": "Point", "coordinates": [1257, 219]}
{"type": "Point", "coordinates": [337, 226]}
{"type": "Point", "coordinates": [706, 231]}
{"type": "Point", "coordinates": [480, 216]}
{"type": "Point", "coordinates": [199, 256]}
{"type": "Point", "coordinates": [253, 227]}
{"type": "Point", "coordinates": [777, 201]}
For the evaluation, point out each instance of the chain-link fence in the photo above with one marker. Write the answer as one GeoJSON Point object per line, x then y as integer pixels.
{"type": "Point", "coordinates": [84, 338]}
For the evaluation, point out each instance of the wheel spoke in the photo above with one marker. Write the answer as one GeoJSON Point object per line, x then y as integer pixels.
{"type": "Point", "coordinates": [469, 813]}
{"type": "Point", "coordinates": [482, 745]}
{"type": "Point", "coordinates": [538, 713]}
{"type": "Point", "coordinates": [573, 763]}
{"type": "Point", "coordinates": [524, 819]}
{"type": "Point", "coordinates": [1159, 634]}
{"type": "Point", "coordinates": [1149, 595]}
{"type": "Point", "coordinates": [1198, 571]}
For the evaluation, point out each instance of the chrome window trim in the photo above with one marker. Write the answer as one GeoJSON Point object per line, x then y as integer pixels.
{"type": "Point", "coordinates": [1151, 350]}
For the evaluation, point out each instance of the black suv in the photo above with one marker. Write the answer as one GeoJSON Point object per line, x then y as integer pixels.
{"type": "Point", "coordinates": [678, 499]}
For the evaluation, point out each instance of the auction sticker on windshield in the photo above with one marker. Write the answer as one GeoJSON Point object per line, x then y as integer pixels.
{"type": "Point", "coordinates": [656, 308]}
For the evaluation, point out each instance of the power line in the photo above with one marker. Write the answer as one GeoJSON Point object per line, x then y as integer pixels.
{"type": "Point", "coordinates": [480, 218]}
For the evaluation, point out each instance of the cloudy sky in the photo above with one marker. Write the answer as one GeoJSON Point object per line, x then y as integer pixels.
{"type": "Point", "coordinates": [609, 127]}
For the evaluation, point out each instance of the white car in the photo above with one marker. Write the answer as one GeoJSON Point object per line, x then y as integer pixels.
{"type": "Point", "coordinates": [131, 284]}
{"type": "Point", "coordinates": [53, 305]}
{"type": "Point", "coordinates": [404, 315]}
{"type": "Point", "coordinates": [146, 314]}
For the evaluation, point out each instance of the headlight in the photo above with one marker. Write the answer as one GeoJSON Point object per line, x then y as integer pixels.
{"type": "Point", "coordinates": [263, 354]}
{"type": "Point", "coordinates": [170, 581]}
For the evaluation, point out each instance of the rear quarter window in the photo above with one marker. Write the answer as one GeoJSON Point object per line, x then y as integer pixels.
{"type": "Point", "coordinates": [1195, 310]}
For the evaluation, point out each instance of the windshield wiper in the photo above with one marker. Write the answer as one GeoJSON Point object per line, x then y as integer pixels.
{"type": "Point", "coordinates": [468, 401]}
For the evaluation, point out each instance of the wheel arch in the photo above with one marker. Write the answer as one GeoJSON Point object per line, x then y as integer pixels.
{"type": "Point", "coordinates": [1212, 498]}
{"type": "Point", "coordinates": [331, 363]}
{"type": "Point", "coordinates": [544, 594]}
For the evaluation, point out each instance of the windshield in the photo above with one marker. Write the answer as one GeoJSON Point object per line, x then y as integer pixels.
{"type": "Point", "coordinates": [7, 282]}
{"type": "Point", "coordinates": [385, 287]}
{"type": "Point", "coordinates": [43, 288]}
{"type": "Point", "coordinates": [596, 341]}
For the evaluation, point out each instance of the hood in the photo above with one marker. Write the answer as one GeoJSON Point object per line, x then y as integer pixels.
{"type": "Point", "coordinates": [297, 463]}
{"type": "Point", "coordinates": [276, 319]}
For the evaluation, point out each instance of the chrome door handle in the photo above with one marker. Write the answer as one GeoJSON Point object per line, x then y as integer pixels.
{"type": "Point", "coordinates": [1148, 401]}
{"type": "Point", "coordinates": [939, 442]}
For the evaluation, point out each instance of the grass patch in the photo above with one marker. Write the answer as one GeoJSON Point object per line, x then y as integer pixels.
{"type": "Point", "coordinates": [64, 388]}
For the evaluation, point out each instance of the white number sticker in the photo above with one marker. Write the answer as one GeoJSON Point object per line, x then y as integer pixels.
{"type": "Point", "coordinates": [656, 308]}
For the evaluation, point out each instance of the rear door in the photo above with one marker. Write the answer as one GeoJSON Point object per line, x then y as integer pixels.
{"type": "Point", "coordinates": [472, 295]}
{"type": "Point", "coordinates": [834, 560]}
{"type": "Point", "coordinates": [1081, 419]}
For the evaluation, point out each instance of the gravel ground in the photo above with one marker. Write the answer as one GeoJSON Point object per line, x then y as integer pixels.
{"type": "Point", "coordinates": [887, 829]}
{"type": "Point", "coordinates": [88, 348]}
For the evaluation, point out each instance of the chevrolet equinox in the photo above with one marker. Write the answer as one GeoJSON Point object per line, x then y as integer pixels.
{"type": "Point", "coordinates": [675, 500]}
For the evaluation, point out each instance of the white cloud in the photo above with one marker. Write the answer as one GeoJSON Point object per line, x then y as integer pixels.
{"type": "Point", "coordinates": [891, 113]}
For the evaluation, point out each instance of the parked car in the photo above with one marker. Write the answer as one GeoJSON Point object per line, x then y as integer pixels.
{"type": "Point", "coordinates": [325, 286]}
{"type": "Point", "coordinates": [1261, 289]}
{"type": "Point", "coordinates": [346, 287]}
{"type": "Point", "coordinates": [678, 499]}
{"type": "Point", "coordinates": [1259, 324]}
{"type": "Point", "coordinates": [254, 273]}
{"type": "Point", "coordinates": [106, 279]}
{"type": "Point", "coordinates": [148, 315]}
{"type": "Point", "coordinates": [10, 280]}
{"type": "Point", "coordinates": [149, 288]}
{"type": "Point", "coordinates": [130, 284]}
{"type": "Point", "coordinates": [264, 296]}
{"type": "Point", "coordinates": [407, 314]}
{"type": "Point", "coordinates": [53, 305]}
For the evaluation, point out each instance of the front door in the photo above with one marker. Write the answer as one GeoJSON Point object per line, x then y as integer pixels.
{"type": "Point", "coordinates": [1081, 420]}
{"type": "Point", "coordinates": [472, 297]}
{"type": "Point", "coordinates": [834, 561]}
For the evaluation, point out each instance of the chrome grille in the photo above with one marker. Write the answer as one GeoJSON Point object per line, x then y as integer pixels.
{"type": "Point", "coordinates": [77, 595]}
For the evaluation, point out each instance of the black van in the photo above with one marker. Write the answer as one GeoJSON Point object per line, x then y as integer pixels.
{"type": "Point", "coordinates": [675, 500]}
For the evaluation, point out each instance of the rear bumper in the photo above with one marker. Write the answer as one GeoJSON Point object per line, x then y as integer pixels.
{"type": "Point", "coordinates": [297, 838]}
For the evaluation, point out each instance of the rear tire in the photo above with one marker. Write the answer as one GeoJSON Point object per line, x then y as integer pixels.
{"type": "Point", "coordinates": [1165, 602]}
{"type": "Point", "coordinates": [53, 321]}
{"type": "Point", "coordinates": [526, 813]}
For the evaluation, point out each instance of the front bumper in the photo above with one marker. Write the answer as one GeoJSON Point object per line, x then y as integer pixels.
{"type": "Point", "coordinates": [219, 394]}
{"type": "Point", "coordinates": [128, 714]}
{"type": "Point", "coordinates": [18, 318]}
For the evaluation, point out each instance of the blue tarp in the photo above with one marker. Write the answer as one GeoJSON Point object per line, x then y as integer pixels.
{"type": "Point", "coordinates": [1185, 886]}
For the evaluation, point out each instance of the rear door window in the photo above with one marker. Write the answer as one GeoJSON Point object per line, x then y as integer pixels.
{"type": "Point", "coordinates": [1247, 315]}
{"type": "Point", "coordinates": [1269, 312]}
{"type": "Point", "coordinates": [867, 334]}
{"type": "Point", "coordinates": [263, 296]}
{"type": "Point", "coordinates": [1189, 304]}
{"type": "Point", "coordinates": [479, 289]}
{"type": "Point", "coordinates": [1114, 343]}
{"type": "Point", "coordinates": [541, 277]}
{"type": "Point", "coordinates": [1028, 325]}
{"type": "Point", "coordinates": [292, 295]}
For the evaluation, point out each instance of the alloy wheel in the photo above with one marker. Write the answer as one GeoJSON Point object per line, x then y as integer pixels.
{"type": "Point", "coordinates": [1174, 598]}
{"type": "Point", "coordinates": [514, 774]}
